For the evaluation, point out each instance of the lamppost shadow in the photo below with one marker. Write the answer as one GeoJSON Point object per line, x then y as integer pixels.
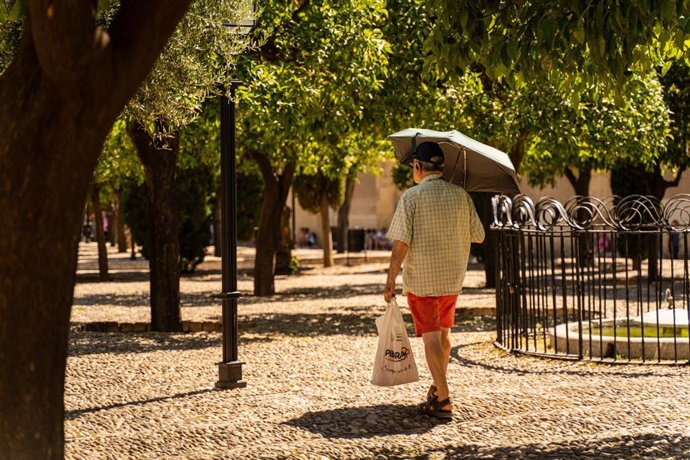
{"type": "Point", "coordinates": [73, 414]}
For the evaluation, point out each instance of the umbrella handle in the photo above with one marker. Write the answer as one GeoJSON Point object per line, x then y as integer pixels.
{"type": "Point", "coordinates": [464, 168]}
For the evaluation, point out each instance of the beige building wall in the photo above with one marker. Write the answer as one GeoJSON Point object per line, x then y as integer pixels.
{"type": "Point", "coordinates": [373, 204]}
{"type": "Point", "coordinates": [375, 198]}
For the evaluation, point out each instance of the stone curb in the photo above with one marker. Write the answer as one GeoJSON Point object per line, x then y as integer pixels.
{"type": "Point", "coordinates": [471, 313]}
{"type": "Point", "coordinates": [137, 327]}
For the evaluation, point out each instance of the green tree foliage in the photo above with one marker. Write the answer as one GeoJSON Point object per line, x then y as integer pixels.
{"type": "Point", "coordinates": [198, 58]}
{"type": "Point", "coordinates": [10, 32]}
{"type": "Point", "coordinates": [411, 95]}
{"type": "Point", "coordinates": [195, 196]}
{"type": "Point", "coordinates": [135, 211]}
{"type": "Point", "coordinates": [634, 176]}
{"type": "Point", "coordinates": [195, 64]}
{"type": "Point", "coordinates": [250, 188]}
{"type": "Point", "coordinates": [676, 84]}
{"type": "Point", "coordinates": [311, 190]}
{"type": "Point", "coordinates": [308, 81]}
{"type": "Point", "coordinates": [526, 41]}
{"type": "Point", "coordinates": [118, 160]}
{"type": "Point", "coordinates": [195, 203]}
{"type": "Point", "coordinates": [402, 176]}
{"type": "Point", "coordinates": [596, 133]}
{"type": "Point", "coordinates": [200, 145]}
{"type": "Point", "coordinates": [303, 102]}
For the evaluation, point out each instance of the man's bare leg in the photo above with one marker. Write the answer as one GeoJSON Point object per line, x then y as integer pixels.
{"type": "Point", "coordinates": [435, 357]}
{"type": "Point", "coordinates": [445, 343]}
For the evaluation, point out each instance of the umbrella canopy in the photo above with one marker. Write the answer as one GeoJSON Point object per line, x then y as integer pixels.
{"type": "Point", "coordinates": [468, 163]}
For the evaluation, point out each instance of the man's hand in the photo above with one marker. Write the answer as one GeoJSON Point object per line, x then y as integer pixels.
{"type": "Point", "coordinates": [389, 291]}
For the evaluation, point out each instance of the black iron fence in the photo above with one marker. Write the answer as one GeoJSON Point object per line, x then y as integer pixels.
{"type": "Point", "coordinates": [600, 279]}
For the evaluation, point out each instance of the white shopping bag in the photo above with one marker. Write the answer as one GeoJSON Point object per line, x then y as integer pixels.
{"type": "Point", "coordinates": [394, 361]}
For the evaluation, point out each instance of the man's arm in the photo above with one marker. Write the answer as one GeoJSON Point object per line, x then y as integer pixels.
{"type": "Point", "coordinates": [476, 227]}
{"type": "Point", "coordinates": [397, 257]}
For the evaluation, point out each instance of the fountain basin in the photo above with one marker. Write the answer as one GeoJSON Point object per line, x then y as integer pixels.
{"type": "Point", "coordinates": [634, 337]}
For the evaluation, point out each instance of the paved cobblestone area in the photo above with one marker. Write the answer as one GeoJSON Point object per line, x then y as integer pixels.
{"type": "Point", "coordinates": [308, 354]}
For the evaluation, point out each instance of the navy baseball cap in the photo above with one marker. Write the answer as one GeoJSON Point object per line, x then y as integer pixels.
{"type": "Point", "coordinates": [429, 152]}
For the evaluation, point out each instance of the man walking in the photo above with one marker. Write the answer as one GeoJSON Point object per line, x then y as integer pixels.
{"type": "Point", "coordinates": [432, 229]}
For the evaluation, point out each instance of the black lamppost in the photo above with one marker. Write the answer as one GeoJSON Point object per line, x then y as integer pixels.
{"type": "Point", "coordinates": [230, 369]}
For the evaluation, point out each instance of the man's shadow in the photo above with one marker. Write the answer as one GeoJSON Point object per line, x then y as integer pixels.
{"type": "Point", "coordinates": [366, 421]}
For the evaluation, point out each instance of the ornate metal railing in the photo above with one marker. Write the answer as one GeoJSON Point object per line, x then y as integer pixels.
{"type": "Point", "coordinates": [600, 279]}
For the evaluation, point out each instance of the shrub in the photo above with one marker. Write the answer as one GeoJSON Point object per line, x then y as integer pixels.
{"type": "Point", "coordinates": [195, 193]}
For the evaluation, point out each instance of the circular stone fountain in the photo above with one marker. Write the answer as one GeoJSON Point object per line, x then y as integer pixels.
{"type": "Point", "coordinates": [662, 334]}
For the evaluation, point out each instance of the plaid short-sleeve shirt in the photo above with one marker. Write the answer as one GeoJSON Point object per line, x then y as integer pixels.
{"type": "Point", "coordinates": [437, 220]}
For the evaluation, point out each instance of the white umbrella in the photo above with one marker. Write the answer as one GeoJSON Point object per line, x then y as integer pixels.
{"type": "Point", "coordinates": [468, 163]}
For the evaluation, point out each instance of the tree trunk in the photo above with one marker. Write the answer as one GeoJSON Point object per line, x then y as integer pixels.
{"type": "Point", "coordinates": [266, 242]}
{"type": "Point", "coordinates": [160, 163]}
{"type": "Point", "coordinates": [656, 186]}
{"type": "Point", "coordinates": [585, 250]}
{"type": "Point", "coordinates": [284, 247]}
{"type": "Point", "coordinates": [217, 225]}
{"type": "Point", "coordinates": [132, 246]}
{"type": "Point", "coordinates": [344, 214]}
{"type": "Point", "coordinates": [119, 223]}
{"type": "Point", "coordinates": [517, 152]}
{"type": "Point", "coordinates": [88, 229]}
{"type": "Point", "coordinates": [581, 186]}
{"type": "Point", "coordinates": [100, 234]}
{"type": "Point", "coordinates": [277, 185]}
{"type": "Point", "coordinates": [326, 230]}
{"type": "Point", "coordinates": [68, 81]}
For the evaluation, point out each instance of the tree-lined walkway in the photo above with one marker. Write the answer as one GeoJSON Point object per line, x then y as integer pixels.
{"type": "Point", "coordinates": [309, 353]}
{"type": "Point", "coordinates": [126, 297]}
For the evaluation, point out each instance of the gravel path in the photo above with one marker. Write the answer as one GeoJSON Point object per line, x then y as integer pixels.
{"type": "Point", "coordinates": [308, 354]}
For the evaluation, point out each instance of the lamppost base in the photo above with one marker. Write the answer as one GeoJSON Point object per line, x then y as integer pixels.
{"type": "Point", "coordinates": [230, 375]}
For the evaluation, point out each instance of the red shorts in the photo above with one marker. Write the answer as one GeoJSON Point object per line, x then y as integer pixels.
{"type": "Point", "coordinates": [432, 313]}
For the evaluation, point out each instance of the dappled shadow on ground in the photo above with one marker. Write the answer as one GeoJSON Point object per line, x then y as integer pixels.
{"type": "Point", "coordinates": [132, 276]}
{"type": "Point", "coordinates": [360, 323]}
{"type": "Point", "coordinates": [309, 325]}
{"type": "Point", "coordinates": [115, 277]}
{"type": "Point", "coordinates": [357, 321]}
{"type": "Point", "coordinates": [628, 447]}
{"type": "Point", "coordinates": [201, 299]}
{"type": "Point", "coordinates": [207, 298]}
{"type": "Point", "coordinates": [315, 293]}
{"type": "Point", "coordinates": [119, 300]}
{"type": "Point", "coordinates": [87, 343]}
{"type": "Point", "coordinates": [72, 414]}
{"type": "Point", "coordinates": [518, 367]}
{"type": "Point", "coordinates": [365, 422]}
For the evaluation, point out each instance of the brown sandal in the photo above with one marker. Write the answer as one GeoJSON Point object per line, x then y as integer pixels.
{"type": "Point", "coordinates": [434, 408]}
{"type": "Point", "coordinates": [431, 394]}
